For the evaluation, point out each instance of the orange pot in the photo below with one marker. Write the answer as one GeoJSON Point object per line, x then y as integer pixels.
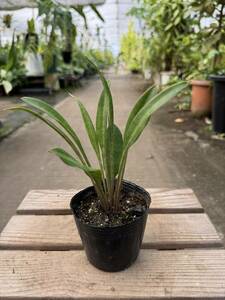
{"type": "Point", "coordinates": [201, 101]}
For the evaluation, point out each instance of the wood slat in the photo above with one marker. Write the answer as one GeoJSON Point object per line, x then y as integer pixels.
{"type": "Point", "coordinates": [57, 201]}
{"type": "Point", "coordinates": [183, 274]}
{"type": "Point", "coordinates": [163, 231]}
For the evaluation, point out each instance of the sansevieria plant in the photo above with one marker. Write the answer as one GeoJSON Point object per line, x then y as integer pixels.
{"type": "Point", "coordinates": [111, 146]}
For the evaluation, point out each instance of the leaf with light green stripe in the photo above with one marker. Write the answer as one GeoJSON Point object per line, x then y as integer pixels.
{"type": "Point", "coordinates": [89, 127]}
{"type": "Point", "coordinates": [117, 149]}
{"type": "Point", "coordinates": [69, 160]}
{"type": "Point", "coordinates": [139, 122]}
{"type": "Point", "coordinates": [108, 94]}
{"type": "Point", "coordinates": [51, 112]}
{"type": "Point", "coordinates": [145, 97]}
{"type": "Point", "coordinates": [101, 120]}
{"type": "Point", "coordinates": [50, 124]}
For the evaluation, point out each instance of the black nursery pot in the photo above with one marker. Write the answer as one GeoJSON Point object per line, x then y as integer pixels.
{"type": "Point", "coordinates": [218, 112]}
{"type": "Point", "coordinates": [115, 248]}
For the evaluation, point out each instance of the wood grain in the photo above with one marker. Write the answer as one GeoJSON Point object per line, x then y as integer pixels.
{"type": "Point", "coordinates": [163, 231]}
{"type": "Point", "coordinates": [183, 274]}
{"type": "Point", "coordinates": [57, 201]}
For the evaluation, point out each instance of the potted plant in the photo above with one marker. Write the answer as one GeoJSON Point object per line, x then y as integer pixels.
{"type": "Point", "coordinates": [212, 35]}
{"type": "Point", "coordinates": [218, 111]}
{"type": "Point", "coordinates": [131, 50]}
{"type": "Point", "coordinates": [201, 97]}
{"type": "Point", "coordinates": [12, 71]}
{"type": "Point", "coordinates": [68, 30]}
{"type": "Point", "coordinates": [7, 20]}
{"type": "Point", "coordinates": [111, 214]}
{"type": "Point", "coordinates": [164, 22]}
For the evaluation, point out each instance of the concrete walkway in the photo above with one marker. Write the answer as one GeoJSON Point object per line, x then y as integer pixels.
{"type": "Point", "coordinates": [161, 158]}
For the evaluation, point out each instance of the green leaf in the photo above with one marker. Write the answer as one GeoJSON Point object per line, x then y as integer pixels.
{"type": "Point", "coordinates": [51, 112]}
{"type": "Point", "coordinates": [145, 97]}
{"type": "Point", "coordinates": [79, 10]}
{"type": "Point", "coordinates": [108, 94]}
{"type": "Point", "coordinates": [69, 160]}
{"type": "Point", "coordinates": [117, 149]}
{"type": "Point", "coordinates": [101, 120]}
{"type": "Point", "coordinates": [50, 124]}
{"type": "Point", "coordinates": [93, 7]}
{"type": "Point", "coordinates": [89, 127]}
{"type": "Point", "coordinates": [7, 86]}
{"type": "Point", "coordinates": [139, 122]}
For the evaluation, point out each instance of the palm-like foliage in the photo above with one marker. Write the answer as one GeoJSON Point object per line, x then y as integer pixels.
{"type": "Point", "coordinates": [110, 145]}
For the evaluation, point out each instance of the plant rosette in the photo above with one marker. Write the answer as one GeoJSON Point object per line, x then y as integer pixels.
{"type": "Point", "coordinates": [111, 214]}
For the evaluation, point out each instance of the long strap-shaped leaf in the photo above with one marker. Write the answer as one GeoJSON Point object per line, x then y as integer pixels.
{"type": "Point", "coordinates": [50, 124]}
{"type": "Point", "coordinates": [55, 115]}
{"type": "Point", "coordinates": [108, 120]}
{"type": "Point", "coordinates": [72, 162]}
{"type": "Point", "coordinates": [139, 122]}
{"type": "Point", "coordinates": [108, 94]}
{"type": "Point", "coordinates": [101, 119]}
{"type": "Point", "coordinates": [89, 127]}
{"type": "Point", "coordinates": [94, 174]}
{"type": "Point", "coordinates": [145, 97]}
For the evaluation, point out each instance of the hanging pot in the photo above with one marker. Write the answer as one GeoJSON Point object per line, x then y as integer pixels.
{"type": "Point", "coordinates": [67, 56]}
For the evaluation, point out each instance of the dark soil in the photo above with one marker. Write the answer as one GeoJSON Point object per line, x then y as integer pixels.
{"type": "Point", "coordinates": [91, 212]}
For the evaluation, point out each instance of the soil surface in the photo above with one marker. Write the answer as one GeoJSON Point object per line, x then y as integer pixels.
{"type": "Point", "coordinates": [91, 212]}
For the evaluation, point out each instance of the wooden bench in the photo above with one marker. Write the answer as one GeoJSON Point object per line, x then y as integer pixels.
{"type": "Point", "coordinates": [41, 253]}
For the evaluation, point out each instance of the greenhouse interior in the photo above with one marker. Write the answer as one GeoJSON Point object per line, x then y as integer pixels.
{"type": "Point", "coordinates": [112, 141]}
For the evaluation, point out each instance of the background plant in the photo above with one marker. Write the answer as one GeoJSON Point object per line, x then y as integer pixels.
{"type": "Point", "coordinates": [131, 49]}
{"type": "Point", "coordinates": [12, 69]}
{"type": "Point", "coordinates": [109, 144]}
{"type": "Point", "coordinates": [165, 23]}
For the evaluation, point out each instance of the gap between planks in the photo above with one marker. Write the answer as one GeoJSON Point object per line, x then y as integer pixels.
{"type": "Point", "coordinates": [164, 200]}
{"type": "Point", "coordinates": [163, 231]}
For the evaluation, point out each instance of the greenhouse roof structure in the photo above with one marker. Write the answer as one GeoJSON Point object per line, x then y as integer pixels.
{"type": "Point", "coordinates": [18, 4]}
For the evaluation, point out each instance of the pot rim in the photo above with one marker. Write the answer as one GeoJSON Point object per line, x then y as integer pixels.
{"type": "Point", "coordinates": [203, 82]}
{"type": "Point", "coordinates": [91, 188]}
{"type": "Point", "coordinates": [217, 77]}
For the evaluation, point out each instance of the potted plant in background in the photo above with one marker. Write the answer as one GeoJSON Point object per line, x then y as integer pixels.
{"type": "Point", "coordinates": [111, 214]}
{"type": "Point", "coordinates": [7, 20]}
{"type": "Point", "coordinates": [68, 30]}
{"type": "Point", "coordinates": [12, 70]}
{"type": "Point", "coordinates": [219, 91]}
{"type": "Point", "coordinates": [212, 35]}
{"type": "Point", "coordinates": [201, 100]}
{"type": "Point", "coordinates": [131, 49]}
{"type": "Point", "coordinates": [33, 59]}
{"type": "Point", "coordinates": [166, 21]}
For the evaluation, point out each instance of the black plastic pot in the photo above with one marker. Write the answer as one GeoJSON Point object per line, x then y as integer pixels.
{"type": "Point", "coordinates": [218, 113]}
{"type": "Point", "coordinates": [112, 249]}
{"type": "Point", "coordinates": [67, 56]}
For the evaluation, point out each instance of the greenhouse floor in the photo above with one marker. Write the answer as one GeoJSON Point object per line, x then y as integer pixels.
{"type": "Point", "coordinates": [166, 155]}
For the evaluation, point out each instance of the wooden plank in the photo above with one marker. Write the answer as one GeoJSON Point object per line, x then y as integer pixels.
{"type": "Point", "coordinates": [163, 231]}
{"type": "Point", "coordinates": [183, 274]}
{"type": "Point", "coordinates": [57, 201]}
